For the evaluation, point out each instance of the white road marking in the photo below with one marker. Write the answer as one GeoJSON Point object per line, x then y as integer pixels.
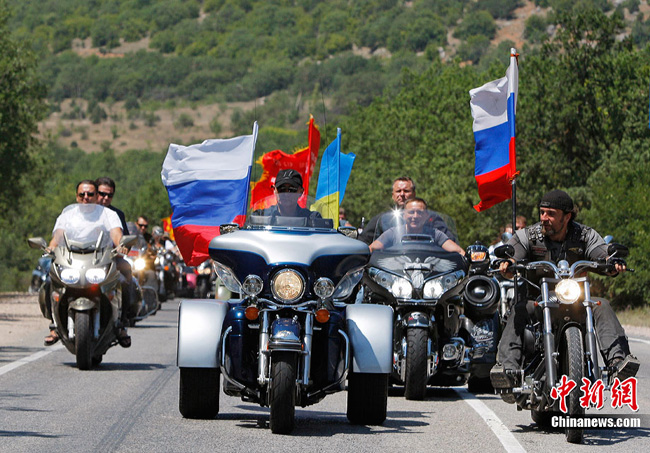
{"type": "Point", "coordinates": [500, 430]}
{"type": "Point", "coordinates": [20, 362]}
{"type": "Point", "coordinates": [639, 340]}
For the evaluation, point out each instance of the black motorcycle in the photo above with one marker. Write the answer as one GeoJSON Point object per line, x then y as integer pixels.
{"type": "Point", "coordinates": [563, 343]}
{"type": "Point", "coordinates": [445, 323]}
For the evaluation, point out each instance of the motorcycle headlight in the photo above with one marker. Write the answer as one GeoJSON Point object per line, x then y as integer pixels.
{"type": "Point", "coordinates": [228, 278]}
{"type": "Point", "coordinates": [252, 285]}
{"type": "Point", "coordinates": [436, 287]}
{"type": "Point", "coordinates": [288, 285]}
{"type": "Point", "coordinates": [568, 291]}
{"type": "Point", "coordinates": [70, 276]}
{"type": "Point", "coordinates": [323, 288]}
{"type": "Point", "coordinates": [95, 276]}
{"type": "Point", "coordinates": [398, 286]}
{"type": "Point", "coordinates": [139, 264]}
{"type": "Point", "coordinates": [347, 284]}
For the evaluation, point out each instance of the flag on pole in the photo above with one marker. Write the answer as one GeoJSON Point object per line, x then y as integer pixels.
{"type": "Point", "coordinates": [493, 108]}
{"type": "Point", "coordinates": [207, 186]}
{"type": "Point", "coordinates": [167, 227]}
{"type": "Point", "coordinates": [335, 169]}
{"type": "Point", "coordinates": [272, 162]}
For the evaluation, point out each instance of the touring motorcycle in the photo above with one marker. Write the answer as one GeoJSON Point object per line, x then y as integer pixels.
{"type": "Point", "coordinates": [445, 323]}
{"type": "Point", "coordinates": [146, 300]}
{"type": "Point", "coordinates": [564, 342]}
{"type": "Point", "coordinates": [293, 336]}
{"type": "Point", "coordinates": [85, 293]}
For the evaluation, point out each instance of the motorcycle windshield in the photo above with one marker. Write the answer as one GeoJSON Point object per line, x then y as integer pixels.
{"type": "Point", "coordinates": [399, 224]}
{"type": "Point", "coordinates": [417, 258]}
{"type": "Point", "coordinates": [82, 225]}
{"type": "Point", "coordinates": [289, 210]}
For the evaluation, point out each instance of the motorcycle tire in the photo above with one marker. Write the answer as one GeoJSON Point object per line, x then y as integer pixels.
{"type": "Point", "coordinates": [573, 367]}
{"type": "Point", "coordinates": [367, 398]}
{"type": "Point", "coordinates": [479, 385]}
{"type": "Point", "coordinates": [543, 418]}
{"type": "Point", "coordinates": [415, 382]}
{"type": "Point", "coordinates": [199, 393]}
{"type": "Point", "coordinates": [83, 340]}
{"type": "Point", "coordinates": [282, 394]}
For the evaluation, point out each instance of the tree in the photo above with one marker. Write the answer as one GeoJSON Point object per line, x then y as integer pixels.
{"type": "Point", "coordinates": [21, 107]}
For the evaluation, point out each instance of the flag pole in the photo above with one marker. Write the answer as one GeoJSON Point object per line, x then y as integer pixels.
{"type": "Point", "coordinates": [250, 173]}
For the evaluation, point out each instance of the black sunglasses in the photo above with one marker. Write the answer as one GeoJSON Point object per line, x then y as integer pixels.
{"type": "Point", "coordinates": [86, 194]}
{"type": "Point", "coordinates": [285, 189]}
{"type": "Point", "coordinates": [143, 225]}
{"type": "Point", "coordinates": [105, 194]}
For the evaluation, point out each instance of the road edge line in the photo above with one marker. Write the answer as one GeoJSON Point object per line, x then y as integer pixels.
{"type": "Point", "coordinates": [31, 358]}
{"type": "Point", "coordinates": [500, 430]}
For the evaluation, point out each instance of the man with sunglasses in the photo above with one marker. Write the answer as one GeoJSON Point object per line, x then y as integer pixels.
{"type": "Point", "coordinates": [105, 193]}
{"type": "Point", "coordinates": [287, 190]}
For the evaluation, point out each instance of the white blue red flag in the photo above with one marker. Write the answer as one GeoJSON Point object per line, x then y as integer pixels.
{"type": "Point", "coordinates": [493, 107]}
{"type": "Point", "coordinates": [207, 186]}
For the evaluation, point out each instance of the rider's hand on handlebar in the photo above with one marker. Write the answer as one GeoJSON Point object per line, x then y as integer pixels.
{"type": "Point", "coordinates": [503, 268]}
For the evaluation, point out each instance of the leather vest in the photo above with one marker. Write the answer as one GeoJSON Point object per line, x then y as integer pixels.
{"type": "Point", "coordinates": [572, 249]}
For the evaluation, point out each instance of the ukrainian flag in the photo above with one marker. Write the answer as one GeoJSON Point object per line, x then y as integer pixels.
{"type": "Point", "coordinates": [335, 169]}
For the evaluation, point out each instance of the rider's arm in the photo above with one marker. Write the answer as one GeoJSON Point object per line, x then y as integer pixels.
{"type": "Point", "coordinates": [376, 245]}
{"type": "Point", "coordinates": [451, 246]}
{"type": "Point", "coordinates": [116, 235]}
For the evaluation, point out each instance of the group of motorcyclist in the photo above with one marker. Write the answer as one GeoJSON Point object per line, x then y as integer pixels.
{"type": "Point", "coordinates": [556, 236]}
{"type": "Point", "coordinates": [94, 203]}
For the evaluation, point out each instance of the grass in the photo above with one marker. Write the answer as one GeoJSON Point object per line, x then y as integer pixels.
{"type": "Point", "coordinates": [639, 316]}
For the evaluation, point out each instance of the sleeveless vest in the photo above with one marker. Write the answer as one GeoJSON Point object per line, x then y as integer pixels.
{"type": "Point", "coordinates": [572, 249]}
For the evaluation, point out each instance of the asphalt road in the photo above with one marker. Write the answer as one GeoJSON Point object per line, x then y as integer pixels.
{"type": "Point", "coordinates": [130, 403]}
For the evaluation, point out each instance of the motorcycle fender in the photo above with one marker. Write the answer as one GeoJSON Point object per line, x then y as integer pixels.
{"type": "Point", "coordinates": [200, 322]}
{"type": "Point", "coordinates": [44, 301]}
{"type": "Point", "coordinates": [417, 319]}
{"type": "Point", "coordinates": [370, 328]}
{"type": "Point", "coordinates": [285, 334]}
{"type": "Point", "coordinates": [81, 304]}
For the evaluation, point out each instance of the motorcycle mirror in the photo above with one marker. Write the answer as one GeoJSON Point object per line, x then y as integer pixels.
{"type": "Point", "coordinates": [504, 251]}
{"type": "Point", "coordinates": [348, 231]}
{"type": "Point", "coordinates": [128, 240]}
{"type": "Point", "coordinates": [228, 228]}
{"type": "Point", "coordinates": [37, 243]}
{"type": "Point", "coordinates": [618, 250]}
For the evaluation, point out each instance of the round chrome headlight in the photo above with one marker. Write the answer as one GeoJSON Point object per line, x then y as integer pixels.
{"type": "Point", "coordinates": [70, 276]}
{"type": "Point", "coordinates": [568, 291]}
{"type": "Point", "coordinates": [288, 285]}
{"type": "Point", "coordinates": [252, 285]}
{"type": "Point", "coordinates": [323, 288]}
{"type": "Point", "coordinates": [95, 276]}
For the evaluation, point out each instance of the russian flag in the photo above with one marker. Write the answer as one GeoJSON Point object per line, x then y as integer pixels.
{"type": "Point", "coordinates": [207, 186]}
{"type": "Point", "coordinates": [493, 108]}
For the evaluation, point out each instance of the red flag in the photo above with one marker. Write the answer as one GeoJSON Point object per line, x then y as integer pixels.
{"type": "Point", "coordinates": [167, 227]}
{"type": "Point", "coordinates": [272, 162]}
